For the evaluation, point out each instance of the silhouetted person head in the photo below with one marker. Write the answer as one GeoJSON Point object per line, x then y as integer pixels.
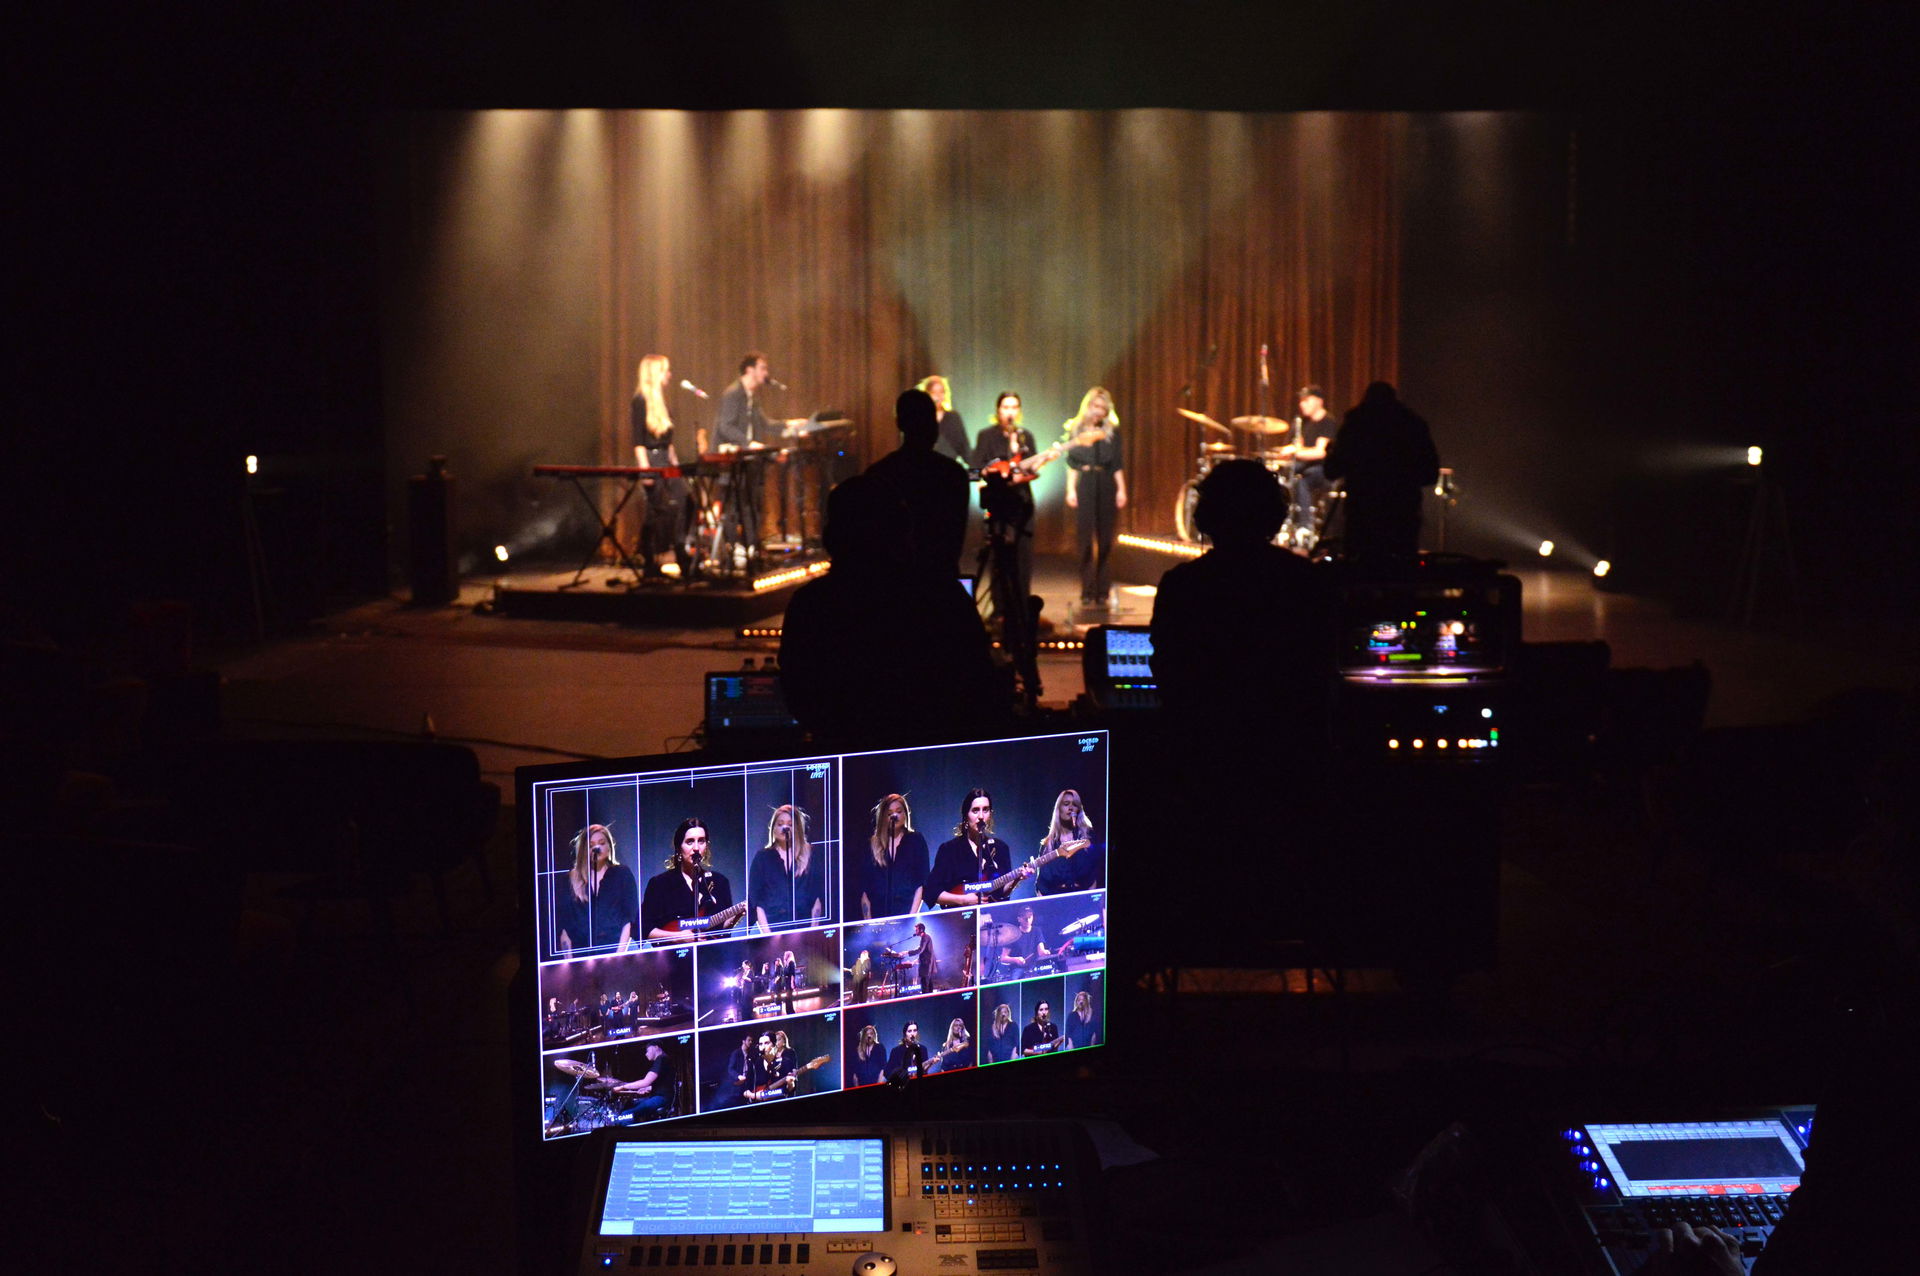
{"type": "Point", "coordinates": [866, 523]}
{"type": "Point", "coordinates": [1380, 392]}
{"type": "Point", "coordinates": [914, 412]}
{"type": "Point", "coordinates": [1241, 503]}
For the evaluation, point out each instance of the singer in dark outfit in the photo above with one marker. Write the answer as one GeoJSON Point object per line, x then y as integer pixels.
{"type": "Point", "coordinates": [908, 1059]}
{"type": "Point", "coordinates": [688, 888]}
{"type": "Point", "coordinates": [952, 443]}
{"type": "Point", "coordinates": [664, 526]}
{"type": "Point", "coordinates": [1038, 1037]}
{"type": "Point", "coordinates": [1007, 440]}
{"type": "Point", "coordinates": [895, 869]}
{"type": "Point", "coordinates": [1083, 870]}
{"type": "Point", "coordinates": [1083, 1026]}
{"type": "Point", "coordinates": [1096, 490]}
{"type": "Point", "coordinates": [786, 974]}
{"type": "Point", "coordinates": [768, 1070]}
{"type": "Point", "coordinates": [594, 904]}
{"type": "Point", "coordinates": [743, 994]}
{"type": "Point", "coordinates": [733, 1077]}
{"type": "Point", "coordinates": [868, 1064]}
{"type": "Point", "coordinates": [1001, 1039]}
{"type": "Point", "coordinates": [783, 880]}
{"type": "Point", "coordinates": [974, 855]}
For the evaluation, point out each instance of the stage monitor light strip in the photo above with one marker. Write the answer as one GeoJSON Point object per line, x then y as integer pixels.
{"type": "Point", "coordinates": [730, 935]}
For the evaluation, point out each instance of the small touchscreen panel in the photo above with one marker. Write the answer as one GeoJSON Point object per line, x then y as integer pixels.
{"type": "Point", "coordinates": [1699, 1158]}
{"type": "Point", "coordinates": [715, 1187]}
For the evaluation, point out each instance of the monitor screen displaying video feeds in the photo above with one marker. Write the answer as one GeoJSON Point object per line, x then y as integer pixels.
{"type": "Point", "coordinates": [718, 936]}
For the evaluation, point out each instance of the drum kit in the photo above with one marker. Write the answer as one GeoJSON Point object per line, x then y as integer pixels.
{"type": "Point", "coordinates": [596, 1100]}
{"type": "Point", "coordinates": [1252, 438]}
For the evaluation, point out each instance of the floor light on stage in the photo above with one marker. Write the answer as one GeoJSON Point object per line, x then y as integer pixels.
{"type": "Point", "coordinates": [500, 552]}
{"type": "Point", "coordinates": [1162, 545]}
{"type": "Point", "coordinates": [1602, 567]}
{"type": "Point", "coordinates": [1754, 455]}
{"type": "Point", "coordinates": [1546, 549]}
{"type": "Point", "coordinates": [789, 575]}
{"type": "Point", "coordinates": [253, 465]}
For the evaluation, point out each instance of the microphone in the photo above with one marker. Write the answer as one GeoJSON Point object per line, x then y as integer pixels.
{"type": "Point", "coordinates": [776, 383]}
{"type": "Point", "coordinates": [692, 389]}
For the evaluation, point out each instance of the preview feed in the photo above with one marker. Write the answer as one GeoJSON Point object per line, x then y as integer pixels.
{"type": "Point", "coordinates": [721, 936]}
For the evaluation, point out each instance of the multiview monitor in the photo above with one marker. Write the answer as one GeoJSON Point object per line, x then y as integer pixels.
{"type": "Point", "coordinates": [730, 935]}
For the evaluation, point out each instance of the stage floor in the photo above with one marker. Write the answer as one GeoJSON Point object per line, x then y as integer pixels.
{"type": "Point", "coordinates": [525, 690]}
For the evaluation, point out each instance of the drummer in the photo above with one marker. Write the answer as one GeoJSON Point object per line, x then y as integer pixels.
{"type": "Point", "coordinates": [1311, 422]}
{"type": "Point", "coordinates": [1025, 947]}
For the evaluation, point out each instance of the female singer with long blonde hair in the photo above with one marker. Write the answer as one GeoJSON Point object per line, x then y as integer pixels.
{"type": "Point", "coordinates": [953, 439]}
{"type": "Point", "coordinates": [664, 525]}
{"type": "Point", "coordinates": [1096, 490]}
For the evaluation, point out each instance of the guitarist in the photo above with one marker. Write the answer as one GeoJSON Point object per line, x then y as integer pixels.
{"type": "Point", "coordinates": [974, 857]}
{"type": "Point", "coordinates": [1006, 455]}
{"type": "Point", "coordinates": [688, 889]}
{"type": "Point", "coordinates": [769, 1077]}
{"type": "Point", "coordinates": [908, 1059]}
{"type": "Point", "coordinates": [1042, 1036]}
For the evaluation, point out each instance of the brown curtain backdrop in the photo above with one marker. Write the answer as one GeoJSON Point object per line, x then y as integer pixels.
{"type": "Point", "coordinates": [1043, 252]}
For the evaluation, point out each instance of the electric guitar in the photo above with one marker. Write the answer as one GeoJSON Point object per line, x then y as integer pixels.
{"type": "Point", "coordinates": [699, 925]}
{"type": "Point", "coordinates": [1024, 470]}
{"type": "Point", "coordinates": [989, 891]}
{"type": "Point", "coordinates": [787, 1082]}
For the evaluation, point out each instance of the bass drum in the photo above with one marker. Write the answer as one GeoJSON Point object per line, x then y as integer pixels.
{"type": "Point", "coordinates": [1183, 506]}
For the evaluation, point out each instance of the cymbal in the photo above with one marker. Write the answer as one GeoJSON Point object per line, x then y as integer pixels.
{"type": "Point", "coordinates": [1203, 419]}
{"type": "Point", "coordinates": [575, 1068]}
{"type": "Point", "coordinates": [1216, 447]}
{"type": "Point", "coordinates": [998, 934]}
{"type": "Point", "coordinates": [1262, 424]}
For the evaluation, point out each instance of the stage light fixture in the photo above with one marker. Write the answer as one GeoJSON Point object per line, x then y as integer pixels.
{"type": "Point", "coordinates": [500, 552]}
{"type": "Point", "coordinates": [1753, 456]}
{"type": "Point", "coordinates": [253, 465]}
{"type": "Point", "coordinates": [1602, 567]}
{"type": "Point", "coordinates": [1546, 549]}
